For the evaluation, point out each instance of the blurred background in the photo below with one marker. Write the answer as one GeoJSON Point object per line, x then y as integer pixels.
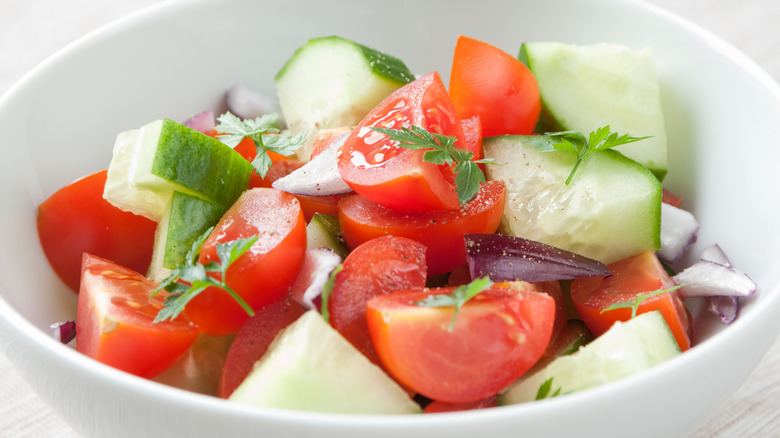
{"type": "Point", "coordinates": [32, 30]}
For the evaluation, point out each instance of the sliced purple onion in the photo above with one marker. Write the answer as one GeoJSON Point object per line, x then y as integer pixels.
{"type": "Point", "coordinates": [512, 258]}
{"type": "Point", "coordinates": [317, 266]}
{"type": "Point", "coordinates": [679, 230]}
{"type": "Point", "coordinates": [318, 177]}
{"type": "Point", "coordinates": [715, 254]}
{"type": "Point", "coordinates": [202, 122]}
{"type": "Point", "coordinates": [725, 308]}
{"type": "Point", "coordinates": [64, 331]}
{"type": "Point", "coordinates": [247, 103]}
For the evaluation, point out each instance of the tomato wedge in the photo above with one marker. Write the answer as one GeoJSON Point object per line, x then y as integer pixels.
{"type": "Point", "coordinates": [377, 267]}
{"type": "Point", "coordinates": [76, 219]}
{"type": "Point", "coordinates": [115, 321]}
{"type": "Point", "coordinates": [440, 231]}
{"type": "Point", "coordinates": [487, 82]}
{"type": "Point", "coordinates": [631, 277]}
{"type": "Point", "coordinates": [264, 273]}
{"type": "Point", "coordinates": [391, 175]}
{"type": "Point", "coordinates": [498, 335]}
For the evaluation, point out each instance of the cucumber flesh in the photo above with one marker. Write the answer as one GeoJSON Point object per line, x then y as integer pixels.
{"type": "Point", "coordinates": [152, 162]}
{"type": "Point", "coordinates": [586, 87]}
{"type": "Point", "coordinates": [332, 82]}
{"type": "Point", "coordinates": [625, 349]}
{"type": "Point", "coordinates": [611, 209]}
{"type": "Point", "coordinates": [311, 367]}
{"type": "Point", "coordinates": [324, 231]}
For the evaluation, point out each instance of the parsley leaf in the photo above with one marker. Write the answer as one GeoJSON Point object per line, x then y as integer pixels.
{"type": "Point", "coordinates": [441, 149]}
{"type": "Point", "coordinates": [575, 142]}
{"type": "Point", "coordinates": [264, 132]}
{"type": "Point", "coordinates": [634, 304]}
{"type": "Point", "coordinates": [457, 298]}
{"type": "Point", "coordinates": [545, 388]}
{"type": "Point", "coordinates": [196, 275]}
{"type": "Point", "coordinates": [327, 290]}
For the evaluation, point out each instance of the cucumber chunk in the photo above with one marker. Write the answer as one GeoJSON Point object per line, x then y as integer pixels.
{"type": "Point", "coordinates": [611, 209]}
{"type": "Point", "coordinates": [311, 367]}
{"type": "Point", "coordinates": [625, 349]}
{"type": "Point", "coordinates": [324, 231]}
{"type": "Point", "coordinates": [152, 162]}
{"type": "Point", "coordinates": [332, 82]}
{"type": "Point", "coordinates": [586, 87]}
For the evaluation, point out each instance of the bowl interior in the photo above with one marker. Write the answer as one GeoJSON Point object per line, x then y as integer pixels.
{"type": "Point", "coordinates": [177, 59]}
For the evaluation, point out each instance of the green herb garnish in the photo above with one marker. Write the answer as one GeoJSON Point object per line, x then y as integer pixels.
{"type": "Point", "coordinates": [457, 298]}
{"type": "Point", "coordinates": [196, 275]}
{"type": "Point", "coordinates": [575, 142]}
{"type": "Point", "coordinates": [264, 132]}
{"type": "Point", "coordinates": [327, 290]}
{"type": "Point", "coordinates": [634, 304]}
{"type": "Point", "coordinates": [442, 150]}
{"type": "Point", "coordinates": [545, 388]}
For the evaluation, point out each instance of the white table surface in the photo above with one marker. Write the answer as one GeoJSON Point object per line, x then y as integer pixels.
{"type": "Point", "coordinates": [31, 30]}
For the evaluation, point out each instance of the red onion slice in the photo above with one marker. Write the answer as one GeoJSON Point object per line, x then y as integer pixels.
{"type": "Point", "coordinates": [512, 258]}
{"type": "Point", "coordinates": [725, 308]}
{"type": "Point", "coordinates": [247, 103]}
{"type": "Point", "coordinates": [318, 177]}
{"type": "Point", "coordinates": [203, 122]}
{"type": "Point", "coordinates": [317, 266]}
{"type": "Point", "coordinates": [679, 230]}
{"type": "Point", "coordinates": [64, 331]}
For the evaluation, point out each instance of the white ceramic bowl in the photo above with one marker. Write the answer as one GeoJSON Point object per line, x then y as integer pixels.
{"type": "Point", "coordinates": [59, 123]}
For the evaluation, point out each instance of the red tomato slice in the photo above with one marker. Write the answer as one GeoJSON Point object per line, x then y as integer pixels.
{"type": "Point", "coordinates": [440, 231]}
{"type": "Point", "coordinates": [377, 267]}
{"type": "Point", "coordinates": [252, 341]}
{"type": "Point", "coordinates": [76, 219]}
{"type": "Point", "coordinates": [472, 135]}
{"type": "Point", "coordinates": [631, 277]}
{"type": "Point", "coordinates": [264, 273]}
{"type": "Point", "coordinates": [115, 321]}
{"type": "Point", "coordinates": [498, 335]}
{"type": "Point", "coordinates": [494, 85]}
{"type": "Point", "coordinates": [391, 175]}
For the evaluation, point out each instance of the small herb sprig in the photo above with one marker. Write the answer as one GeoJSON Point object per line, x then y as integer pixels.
{"type": "Point", "coordinates": [545, 390]}
{"type": "Point", "coordinates": [634, 304]}
{"type": "Point", "coordinates": [264, 132]}
{"type": "Point", "coordinates": [197, 278]}
{"type": "Point", "coordinates": [441, 149]}
{"type": "Point", "coordinates": [327, 290]}
{"type": "Point", "coordinates": [576, 142]}
{"type": "Point", "coordinates": [457, 298]}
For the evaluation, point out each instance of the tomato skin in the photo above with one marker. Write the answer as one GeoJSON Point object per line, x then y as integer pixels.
{"type": "Point", "coordinates": [436, 406]}
{"type": "Point", "coordinates": [440, 231]}
{"type": "Point", "coordinates": [498, 336]}
{"type": "Point", "coordinates": [264, 273]}
{"type": "Point", "coordinates": [76, 220]}
{"type": "Point", "coordinates": [494, 85]}
{"type": "Point", "coordinates": [252, 341]}
{"type": "Point", "coordinates": [631, 277]}
{"type": "Point", "coordinates": [115, 321]}
{"type": "Point", "coordinates": [377, 267]}
{"type": "Point", "coordinates": [391, 175]}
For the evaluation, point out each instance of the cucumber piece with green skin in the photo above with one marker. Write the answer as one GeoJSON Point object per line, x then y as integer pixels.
{"type": "Point", "coordinates": [332, 82]}
{"type": "Point", "coordinates": [311, 367]}
{"type": "Point", "coordinates": [324, 231]}
{"type": "Point", "coordinates": [152, 162]}
{"type": "Point", "coordinates": [625, 349]}
{"type": "Point", "coordinates": [185, 218]}
{"type": "Point", "coordinates": [586, 87]}
{"type": "Point", "coordinates": [609, 211]}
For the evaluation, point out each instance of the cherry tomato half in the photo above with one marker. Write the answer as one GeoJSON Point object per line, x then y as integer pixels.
{"type": "Point", "coordinates": [77, 220]}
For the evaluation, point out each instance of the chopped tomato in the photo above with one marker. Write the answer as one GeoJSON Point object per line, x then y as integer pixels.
{"type": "Point", "coordinates": [498, 335]}
{"type": "Point", "coordinates": [394, 176]}
{"type": "Point", "coordinates": [326, 137]}
{"type": "Point", "coordinates": [377, 267]}
{"type": "Point", "coordinates": [494, 85]}
{"type": "Point", "coordinates": [472, 135]}
{"type": "Point", "coordinates": [440, 231]}
{"type": "Point", "coordinates": [252, 341]}
{"type": "Point", "coordinates": [77, 220]}
{"type": "Point", "coordinates": [264, 273]}
{"type": "Point", "coordinates": [631, 277]}
{"type": "Point", "coordinates": [670, 198]}
{"type": "Point", "coordinates": [436, 406]}
{"type": "Point", "coordinates": [115, 321]}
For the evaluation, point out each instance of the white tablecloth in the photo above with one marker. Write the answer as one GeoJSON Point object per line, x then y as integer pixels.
{"type": "Point", "coordinates": [31, 30]}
